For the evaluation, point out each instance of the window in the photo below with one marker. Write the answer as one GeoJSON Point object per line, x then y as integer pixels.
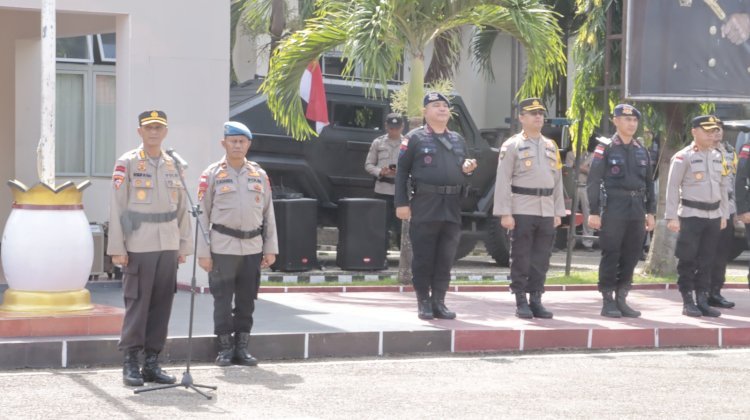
{"type": "Point", "coordinates": [357, 116]}
{"type": "Point", "coordinates": [76, 49]}
{"type": "Point", "coordinates": [85, 100]}
{"type": "Point", "coordinates": [332, 65]}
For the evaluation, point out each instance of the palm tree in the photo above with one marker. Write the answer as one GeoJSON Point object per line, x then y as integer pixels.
{"type": "Point", "coordinates": [375, 36]}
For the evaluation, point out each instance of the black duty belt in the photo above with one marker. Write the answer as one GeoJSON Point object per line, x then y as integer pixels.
{"type": "Point", "coordinates": [387, 180]}
{"type": "Point", "coordinates": [539, 192]}
{"type": "Point", "coordinates": [236, 233]}
{"type": "Point", "coordinates": [701, 205]}
{"type": "Point", "coordinates": [625, 193]}
{"type": "Point", "coordinates": [440, 189]}
{"type": "Point", "coordinates": [131, 220]}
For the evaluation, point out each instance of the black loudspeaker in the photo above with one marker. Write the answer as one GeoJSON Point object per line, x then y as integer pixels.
{"type": "Point", "coordinates": [362, 234]}
{"type": "Point", "coordinates": [297, 230]}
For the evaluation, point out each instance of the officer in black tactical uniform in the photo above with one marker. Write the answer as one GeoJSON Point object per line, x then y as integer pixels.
{"type": "Point", "coordinates": [622, 204]}
{"type": "Point", "coordinates": [741, 192]}
{"type": "Point", "coordinates": [435, 159]}
{"type": "Point", "coordinates": [726, 237]}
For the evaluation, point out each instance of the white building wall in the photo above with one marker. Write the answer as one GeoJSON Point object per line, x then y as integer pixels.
{"type": "Point", "coordinates": [163, 62]}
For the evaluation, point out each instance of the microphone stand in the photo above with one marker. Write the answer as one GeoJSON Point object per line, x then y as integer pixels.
{"type": "Point", "coordinates": [187, 378]}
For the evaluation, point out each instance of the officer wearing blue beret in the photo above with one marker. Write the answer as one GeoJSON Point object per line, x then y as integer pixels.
{"type": "Point", "coordinates": [622, 205]}
{"type": "Point", "coordinates": [238, 210]}
{"type": "Point", "coordinates": [436, 160]}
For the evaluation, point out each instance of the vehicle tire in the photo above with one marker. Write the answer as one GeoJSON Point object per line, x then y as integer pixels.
{"type": "Point", "coordinates": [465, 245]}
{"type": "Point", "coordinates": [497, 242]}
{"type": "Point", "coordinates": [739, 245]}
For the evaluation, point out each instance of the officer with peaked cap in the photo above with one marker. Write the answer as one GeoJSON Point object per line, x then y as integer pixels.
{"type": "Point", "coordinates": [149, 235]}
{"type": "Point", "coordinates": [381, 163]}
{"type": "Point", "coordinates": [529, 201]}
{"type": "Point", "coordinates": [238, 210]}
{"type": "Point", "coordinates": [697, 208]}
{"type": "Point", "coordinates": [436, 160]}
{"type": "Point", "coordinates": [622, 205]}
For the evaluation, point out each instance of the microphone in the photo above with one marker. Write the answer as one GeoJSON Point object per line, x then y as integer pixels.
{"type": "Point", "coordinates": [180, 161]}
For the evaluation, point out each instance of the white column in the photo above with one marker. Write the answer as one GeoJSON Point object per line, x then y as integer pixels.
{"type": "Point", "coordinates": [46, 148]}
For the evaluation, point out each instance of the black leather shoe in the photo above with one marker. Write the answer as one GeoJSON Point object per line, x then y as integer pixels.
{"type": "Point", "coordinates": [609, 307]}
{"type": "Point", "coordinates": [241, 355]}
{"type": "Point", "coordinates": [152, 371]}
{"type": "Point", "coordinates": [620, 299]}
{"type": "Point", "coordinates": [702, 304]}
{"type": "Point", "coordinates": [719, 301]}
{"type": "Point", "coordinates": [522, 306]}
{"type": "Point", "coordinates": [535, 304]}
{"type": "Point", "coordinates": [424, 309]}
{"type": "Point", "coordinates": [440, 311]}
{"type": "Point", "coordinates": [226, 350]}
{"type": "Point", "coordinates": [131, 371]}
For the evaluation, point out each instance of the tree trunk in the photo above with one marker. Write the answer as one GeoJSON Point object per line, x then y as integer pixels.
{"type": "Point", "coordinates": [661, 260]}
{"type": "Point", "coordinates": [277, 24]}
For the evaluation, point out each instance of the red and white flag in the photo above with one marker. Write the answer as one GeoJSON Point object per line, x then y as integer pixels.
{"type": "Point", "coordinates": [312, 91]}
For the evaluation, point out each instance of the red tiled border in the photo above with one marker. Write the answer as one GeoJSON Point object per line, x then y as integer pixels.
{"type": "Point", "coordinates": [611, 339]}
{"type": "Point", "coordinates": [555, 339]}
{"type": "Point", "coordinates": [683, 337]}
{"type": "Point", "coordinates": [487, 340]}
{"type": "Point", "coordinates": [735, 337]}
{"type": "Point", "coordinates": [102, 320]}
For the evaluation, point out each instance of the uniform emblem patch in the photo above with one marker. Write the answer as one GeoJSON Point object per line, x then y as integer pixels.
{"type": "Point", "coordinates": [140, 195]}
{"type": "Point", "coordinates": [615, 170]}
{"type": "Point", "coordinates": [141, 165]}
{"type": "Point", "coordinates": [527, 163]}
{"type": "Point", "coordinates": [427, 160]}
{"type": "Point", "coordinates": [202, 187]}
{"type": "Point", "coordinates": [699, 176]}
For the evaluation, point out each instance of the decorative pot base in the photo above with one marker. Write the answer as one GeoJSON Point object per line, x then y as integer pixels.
{"type": "Point", "coordinates": [46, 302]}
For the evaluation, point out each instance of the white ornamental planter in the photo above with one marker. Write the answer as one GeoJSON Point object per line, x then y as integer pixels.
{"type": "Point", "coordinates": [47, 250]}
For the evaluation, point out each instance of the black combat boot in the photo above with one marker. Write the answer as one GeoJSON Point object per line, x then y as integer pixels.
{"type": "Point", "coordinates": [131, 371]}
{"type": "Point", "coordinates": [439, 310]}
{"type": "Point", "coordinates": [152, 371]}
{"type": "Point", "coordinates": [609, 307]}
{"type": "Point", "coordinates": [226, 350]}
{"type": "Point", "coordinates": [716, 299]}
{"type": "Point", "coordinates": [688, 305]}
{"type": "Point", "coordinates": [535, 304]}
{"type": "Point", "coordinates": [522, 306]}
{"type": "Point", "coordinates": [424, 307]}
{"type": "Point", "coordinates": [241, 356]}
{"type": "Point", "coordinates": [703, 306]}
{"type": "Point", "coordinates": [622, 305]}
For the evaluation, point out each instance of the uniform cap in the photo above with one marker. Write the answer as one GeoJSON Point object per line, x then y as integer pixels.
{"type": "Point", "coordinates": [625, 110]}
{"type": "Point", "coordinates": [394, 119]}
{"type": "Point", "coordinates": [234, 128]}
{"type": "Point", "coordinates": [152, 117]}
{"type": "Point", "coordinates": [707, 122]}
{"type": "Point", "coordinates": [434, 97]}
{"type": "Point", "coordinates": [531, 104]}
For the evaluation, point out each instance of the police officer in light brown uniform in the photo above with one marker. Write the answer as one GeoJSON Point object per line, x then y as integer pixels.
{"type": "Point", "coordinates": [697, 208]}
{"type": "Point", "coordinates": [529, 201]}
{"type": "Point", "coordinates": [149, 235]}
{"type": "Point", "coordinates": [381, 163]}
{"type": "Point", "coordinates": [238, 210]}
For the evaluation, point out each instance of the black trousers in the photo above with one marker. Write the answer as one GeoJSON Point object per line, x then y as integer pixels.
{"type": "Point", "coordinates": [392, 223]}
{"type": "Point", "coordinates": [530, 250]}
{"type": "Point", "coordinates": [723, 248]}
{"type": "Point", "coordinates": [149, 283]}
{"type": "Point", "coordinates": [434, 249]}
{"type": "Point", "coordinates": [621, 241]}
{"type": "Point", "coordinates": [696, 248]}
{"type": "Point", "coordinates": [234, 278]}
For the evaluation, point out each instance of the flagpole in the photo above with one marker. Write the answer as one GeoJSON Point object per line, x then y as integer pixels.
{"type": "Point", "coordinates": [46, 147]}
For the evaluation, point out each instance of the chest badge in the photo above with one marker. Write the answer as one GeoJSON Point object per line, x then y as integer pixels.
{"type": "Point", "coordinates": [225, 188]}
{"type": "Point", "coordinates": [174, 195]}
{"type": "Point", "coordinates": [699, 176]}
{"type": "Point", "coordinates": [140, 195]}
{"type": "Point", "coordinates": [527, 163]}
{"type": "Point", "coordinates": [615, 170]}
{"type": "Point", "coordinates": [222, 175]}
{"type": "Point", "coordinates": [141, 165]}
{"type": "Point", "coordinates": [428, 160]}
{"type": "Point", "coordinates": [137, 182]}
{"type": "Point", "coordinates": [170, 165]}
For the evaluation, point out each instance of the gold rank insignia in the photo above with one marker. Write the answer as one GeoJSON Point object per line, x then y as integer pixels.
{"type": "Point", "coordinates": [225, 188]}
{"type": "Point", "coordinates": [699, 176]}
{"type": "Point", "coordinates": [222, 175]}
{"type": "Point", "coordinates": [527, 163]}
{"type": "Point", "coordinates": [627, 110]}
{"type": "Point", "coordinates": [525, 154]}
{"type": "Point", "coordinates": [141, 165]}
{"type": "Point", "coordinates": [140, 195]}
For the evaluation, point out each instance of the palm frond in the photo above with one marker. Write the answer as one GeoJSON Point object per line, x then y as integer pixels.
{"type": "Point", "coordinates": [480, 50]}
